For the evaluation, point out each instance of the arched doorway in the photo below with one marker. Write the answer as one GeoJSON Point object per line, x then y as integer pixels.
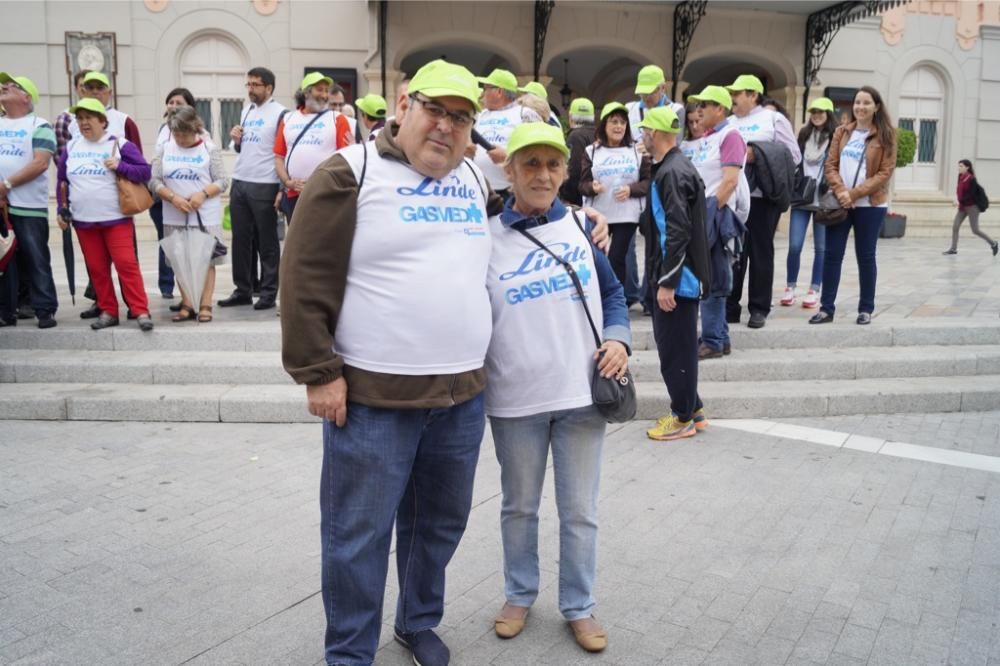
{"type": "Point", "coordinates": [600, 74]}
{"type": "Point", "coordinates": [922, 103]}
{"type": "Point", "coordinates": [213, 67]}
{"type": "Point", "coordinates": [478, 60]}
{"type": "Point", "coordinates": [723, 67]}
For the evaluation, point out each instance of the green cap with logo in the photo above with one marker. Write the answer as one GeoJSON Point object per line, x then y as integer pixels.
{"type": "Point", "coordinates": [535, 88]}
{"type": "Point", "coordinates": [649, 77]}
{"type": "Point", "coordinates": [500, 78]}
{"type": "Point", "coordinates": [582, 108]}
{"type": "Point", "coordinates": [312, 78]}
{"type": "Point", "coordinates": [536, 134]}
{"type": "Point", "coordinates": [372, 105]}
{"type": "Point", "coordinates": [89, 104]}
{"type": "Point", "coordinates": [747, 82]}
{"type": "Point", "coordinates": [821, 104]}
{"type": "Point", "coordinates": [440, 78]}
{"type": "Point", "coordinates": [662, 118]}
{"type": "Point", "coordinates": [98, 77]}
{"type": "Point", "coordinates": [716, 94]}
{"type": "Point", "coordinates": [611, 107]}
{"type": "Point", "coordinates": [26, 84]}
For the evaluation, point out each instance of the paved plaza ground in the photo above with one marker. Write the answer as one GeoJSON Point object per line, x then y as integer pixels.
{"type": "Point", "coordinates": [752, 543]}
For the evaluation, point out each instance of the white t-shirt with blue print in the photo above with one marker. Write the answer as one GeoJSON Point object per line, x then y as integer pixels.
{"type": "Point", "coordinates": [851, 155]}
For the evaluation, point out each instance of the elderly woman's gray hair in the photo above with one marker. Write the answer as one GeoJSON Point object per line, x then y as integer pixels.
{"type": "Point", "coordinates": [185, 119]}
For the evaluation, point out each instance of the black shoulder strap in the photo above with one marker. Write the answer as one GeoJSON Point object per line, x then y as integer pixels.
{"type": "Point", "coordinates": [572, 275]}
{"type": "Point", "coordinates": [364, 166]}
{"type": "Point", "coordinates": [482, 190]}
{"type": "Point", "coordinates": [302, 133]}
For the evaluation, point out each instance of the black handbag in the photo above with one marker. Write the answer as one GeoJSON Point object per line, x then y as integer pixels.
{"type": "Point", "coordinates": [220, 250]}
{"type": "Point", "coordinates": [829, 211]}
{"type": "Point", "coordinates": [614, 398]}
{"type": "Point", "coordinates": [805, 188]}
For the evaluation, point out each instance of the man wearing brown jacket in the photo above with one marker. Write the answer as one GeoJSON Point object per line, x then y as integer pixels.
{"type": "Point", "coordinates": [386, 319]}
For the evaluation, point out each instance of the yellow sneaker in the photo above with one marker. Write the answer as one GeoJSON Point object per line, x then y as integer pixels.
{"type": "Point", "coordinates": [670, 427]}
{"type": "Point", "coordinates": [700, 420]}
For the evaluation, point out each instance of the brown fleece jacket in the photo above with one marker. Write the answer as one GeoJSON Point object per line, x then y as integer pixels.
{"type": "Point", "coordinates": [313, 281]}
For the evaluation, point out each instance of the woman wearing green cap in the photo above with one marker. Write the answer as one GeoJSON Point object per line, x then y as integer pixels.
{"type": "Point", "coordinates": [814, 140]}
{"type": "Point", "coordinates": [540, 362]}
{"type": "Point", "coordinates": [614, 179]}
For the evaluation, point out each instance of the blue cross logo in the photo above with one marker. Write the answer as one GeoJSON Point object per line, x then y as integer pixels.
{"type": "Point", "coordinates": [583, 273]}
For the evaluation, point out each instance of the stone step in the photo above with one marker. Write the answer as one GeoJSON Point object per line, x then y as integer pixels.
{"type": "Point", "coordinates": [286, 404]}
{"type": "Point", "coordinates": [264, 367]}
{"type": "Point", "coordinates": [266, 335]}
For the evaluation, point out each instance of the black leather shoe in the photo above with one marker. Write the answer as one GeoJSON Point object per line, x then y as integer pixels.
{"type": "Point", "coordinates": [8, 322]}
{"type": "Point", "coordinates": [263, 304]}
{"type": "Point", "coordinates": [235, 299]}
{"type": "Point", "coordinates": [727, 349]}
{"type": "Point", "coordinates": [46, 321]}
{"type": "Point", "coordinates": [864, 318]}
{"type": "Point", "coordinates": [821, 318]}
{"type": "Point", "coordinates": [25, 313]}
{"type": "Point", "coordinates": [757, 320]}
{"type": "Point", "coordinates": [732, 319]}
{"type": "Point", "coordinates": [93, 312]}
{"type": "Point", "coordinates": [176, 307]}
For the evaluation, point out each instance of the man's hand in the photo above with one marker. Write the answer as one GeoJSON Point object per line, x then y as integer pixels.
{"type": "Point", "coordinates": [277, 201]}
{"type": "Point", "coordinates": [329, 401]}
{"type": "Point", "coordinates": [612, 359]}
{"type": "Point", "coordinates": [111, 164]}
{"type": "Point", "coordinates": [63, 224]}
{"type": "Point", "coordinates": [599, 235]}
{"type": "Point", "coordinates": [622, 193]}
{"type": "Point", "coordinates": [498, 155]}
{"type": "Point", "coordinates": [665, 299]}
{"type": "Point", "coordinates": [298, 184]}
{"type": "Point", "coordinates": [236, 134]}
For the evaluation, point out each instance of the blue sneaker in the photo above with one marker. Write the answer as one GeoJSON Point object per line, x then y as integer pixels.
{"type": "Point", "coordinates": [425, 647]}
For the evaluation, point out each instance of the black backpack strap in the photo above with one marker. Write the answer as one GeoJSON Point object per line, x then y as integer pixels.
{"type": "Point", "coordinates": [364, 166]}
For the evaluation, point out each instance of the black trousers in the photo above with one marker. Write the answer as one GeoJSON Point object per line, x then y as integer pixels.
{"type": "Point", "coordinates": [621, 236]}
{"type": "Point", "coordinates": [676, 335]}
{"type": "Point", "coordinates": [251, 209]}
{"type": "Point", "coordinates": [758, 253]}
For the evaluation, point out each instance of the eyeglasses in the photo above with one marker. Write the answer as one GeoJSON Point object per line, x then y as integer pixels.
{"type": "Point", "coordinates": [458, 119]}
{"type": "Point", "coordinates": [255, 84]}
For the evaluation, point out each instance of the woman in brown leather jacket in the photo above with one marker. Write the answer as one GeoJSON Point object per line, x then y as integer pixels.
{"type": "Point", "coordinates": [860, 163]}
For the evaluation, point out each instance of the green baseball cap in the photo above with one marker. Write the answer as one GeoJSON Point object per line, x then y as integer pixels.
{"type": "Point", "coordinates": [611, 107]}
{"type": "Point", "coordinates": [26, 84]}
{"type": "Point", "coordinates": [649, 77]}
{"type": "Point", "coordinates": [821, 104]}
{"type": "Point", "coordinates": [312, 78]}
{"type": "Point", "coordinates": [536, 134]}
{"type": "Point", "coordinates": [582, 107]}
{"type": "Point", "coordinates": [89, 104]}
{"type": "Point", "coordinates": [716, 94]}
{"type": "Point", "coordinates": [535, 88]}
{"type": "Point", "coordinates": [96, 76]}
{"type": "Point", "coordinates": [747, 82]}
{"type": "Point", "coordinates": [372, 105]}
{"type": "Point", "coordinates": [439, 78]}
{"type": "Point", "coordinates": [662, 118]}
{"type": "Point", "coordinates": [500, 78]}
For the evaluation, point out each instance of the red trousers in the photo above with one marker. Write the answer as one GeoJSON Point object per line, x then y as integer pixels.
{"type": "Point", "coordinates": [103, 246]}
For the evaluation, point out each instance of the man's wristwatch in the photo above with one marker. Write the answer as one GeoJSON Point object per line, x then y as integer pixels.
{"type": "Point", "coordinates": [8, 184]}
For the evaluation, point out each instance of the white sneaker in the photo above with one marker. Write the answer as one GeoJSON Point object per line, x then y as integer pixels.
{"type": "Point", "coordinates": [789, 297]}
{"type": "Point", "coordinates": [811, 300]}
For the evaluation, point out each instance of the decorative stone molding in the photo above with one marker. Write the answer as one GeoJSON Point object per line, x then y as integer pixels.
{"type": "Point", "coordinates": [970, 17]}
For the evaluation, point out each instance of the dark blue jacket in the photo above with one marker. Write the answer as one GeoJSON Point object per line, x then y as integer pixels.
{"type": "Point", "coordinates": [725, 235]}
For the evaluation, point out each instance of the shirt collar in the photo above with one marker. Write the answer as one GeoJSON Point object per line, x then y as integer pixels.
{"type": "Point", "coordinates": [718, 128]}
{"type": "Point", "coordinates": [509, 216]}
{"type": "Point", "coordinates": [664, 100]}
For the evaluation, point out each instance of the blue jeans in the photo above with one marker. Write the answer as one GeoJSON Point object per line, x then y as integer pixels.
{"type": "Point", "coordinates": [631, 285]}
{"type": "Point", "coordinates": [32, 245]}
{"type": "Point", "coordinates": [866, 223]}
{"type": "Point", "coordinates": [166, 273]}
{"type": "Point", "coordinates": [576, 437]}
{"type": "Point", "coordinates": [714, 327]}
{"type": "Point", "coordinates": [414, 467]}
{"type": "Point", "coordinates": [796, 239]}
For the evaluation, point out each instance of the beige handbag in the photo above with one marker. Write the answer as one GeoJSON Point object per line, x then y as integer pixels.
{"type": "Point", "coordinates": [133, 198]}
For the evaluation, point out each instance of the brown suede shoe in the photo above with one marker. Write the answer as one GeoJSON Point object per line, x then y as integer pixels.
{"type": "Point", "coordinates": [589, 634]}
{"type": "Point", "coordinates": [510, 621]}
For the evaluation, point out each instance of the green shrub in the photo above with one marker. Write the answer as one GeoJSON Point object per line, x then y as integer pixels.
{"type": "Point", "coordinates": [906, 147]}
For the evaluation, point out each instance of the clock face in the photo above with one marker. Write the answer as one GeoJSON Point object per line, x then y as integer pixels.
{"type": "Point", "coordinates": [91, 58]}
{"type": "Point", "coordinates": [265, 7]}
{"type": "Point", "coordinates": [156, 5]}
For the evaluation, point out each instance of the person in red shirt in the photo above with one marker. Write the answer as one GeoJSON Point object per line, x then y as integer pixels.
{"type": "Point", "coordinates": [965, 197]}
{"type": "Point", "coordinates": [306, 138]}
